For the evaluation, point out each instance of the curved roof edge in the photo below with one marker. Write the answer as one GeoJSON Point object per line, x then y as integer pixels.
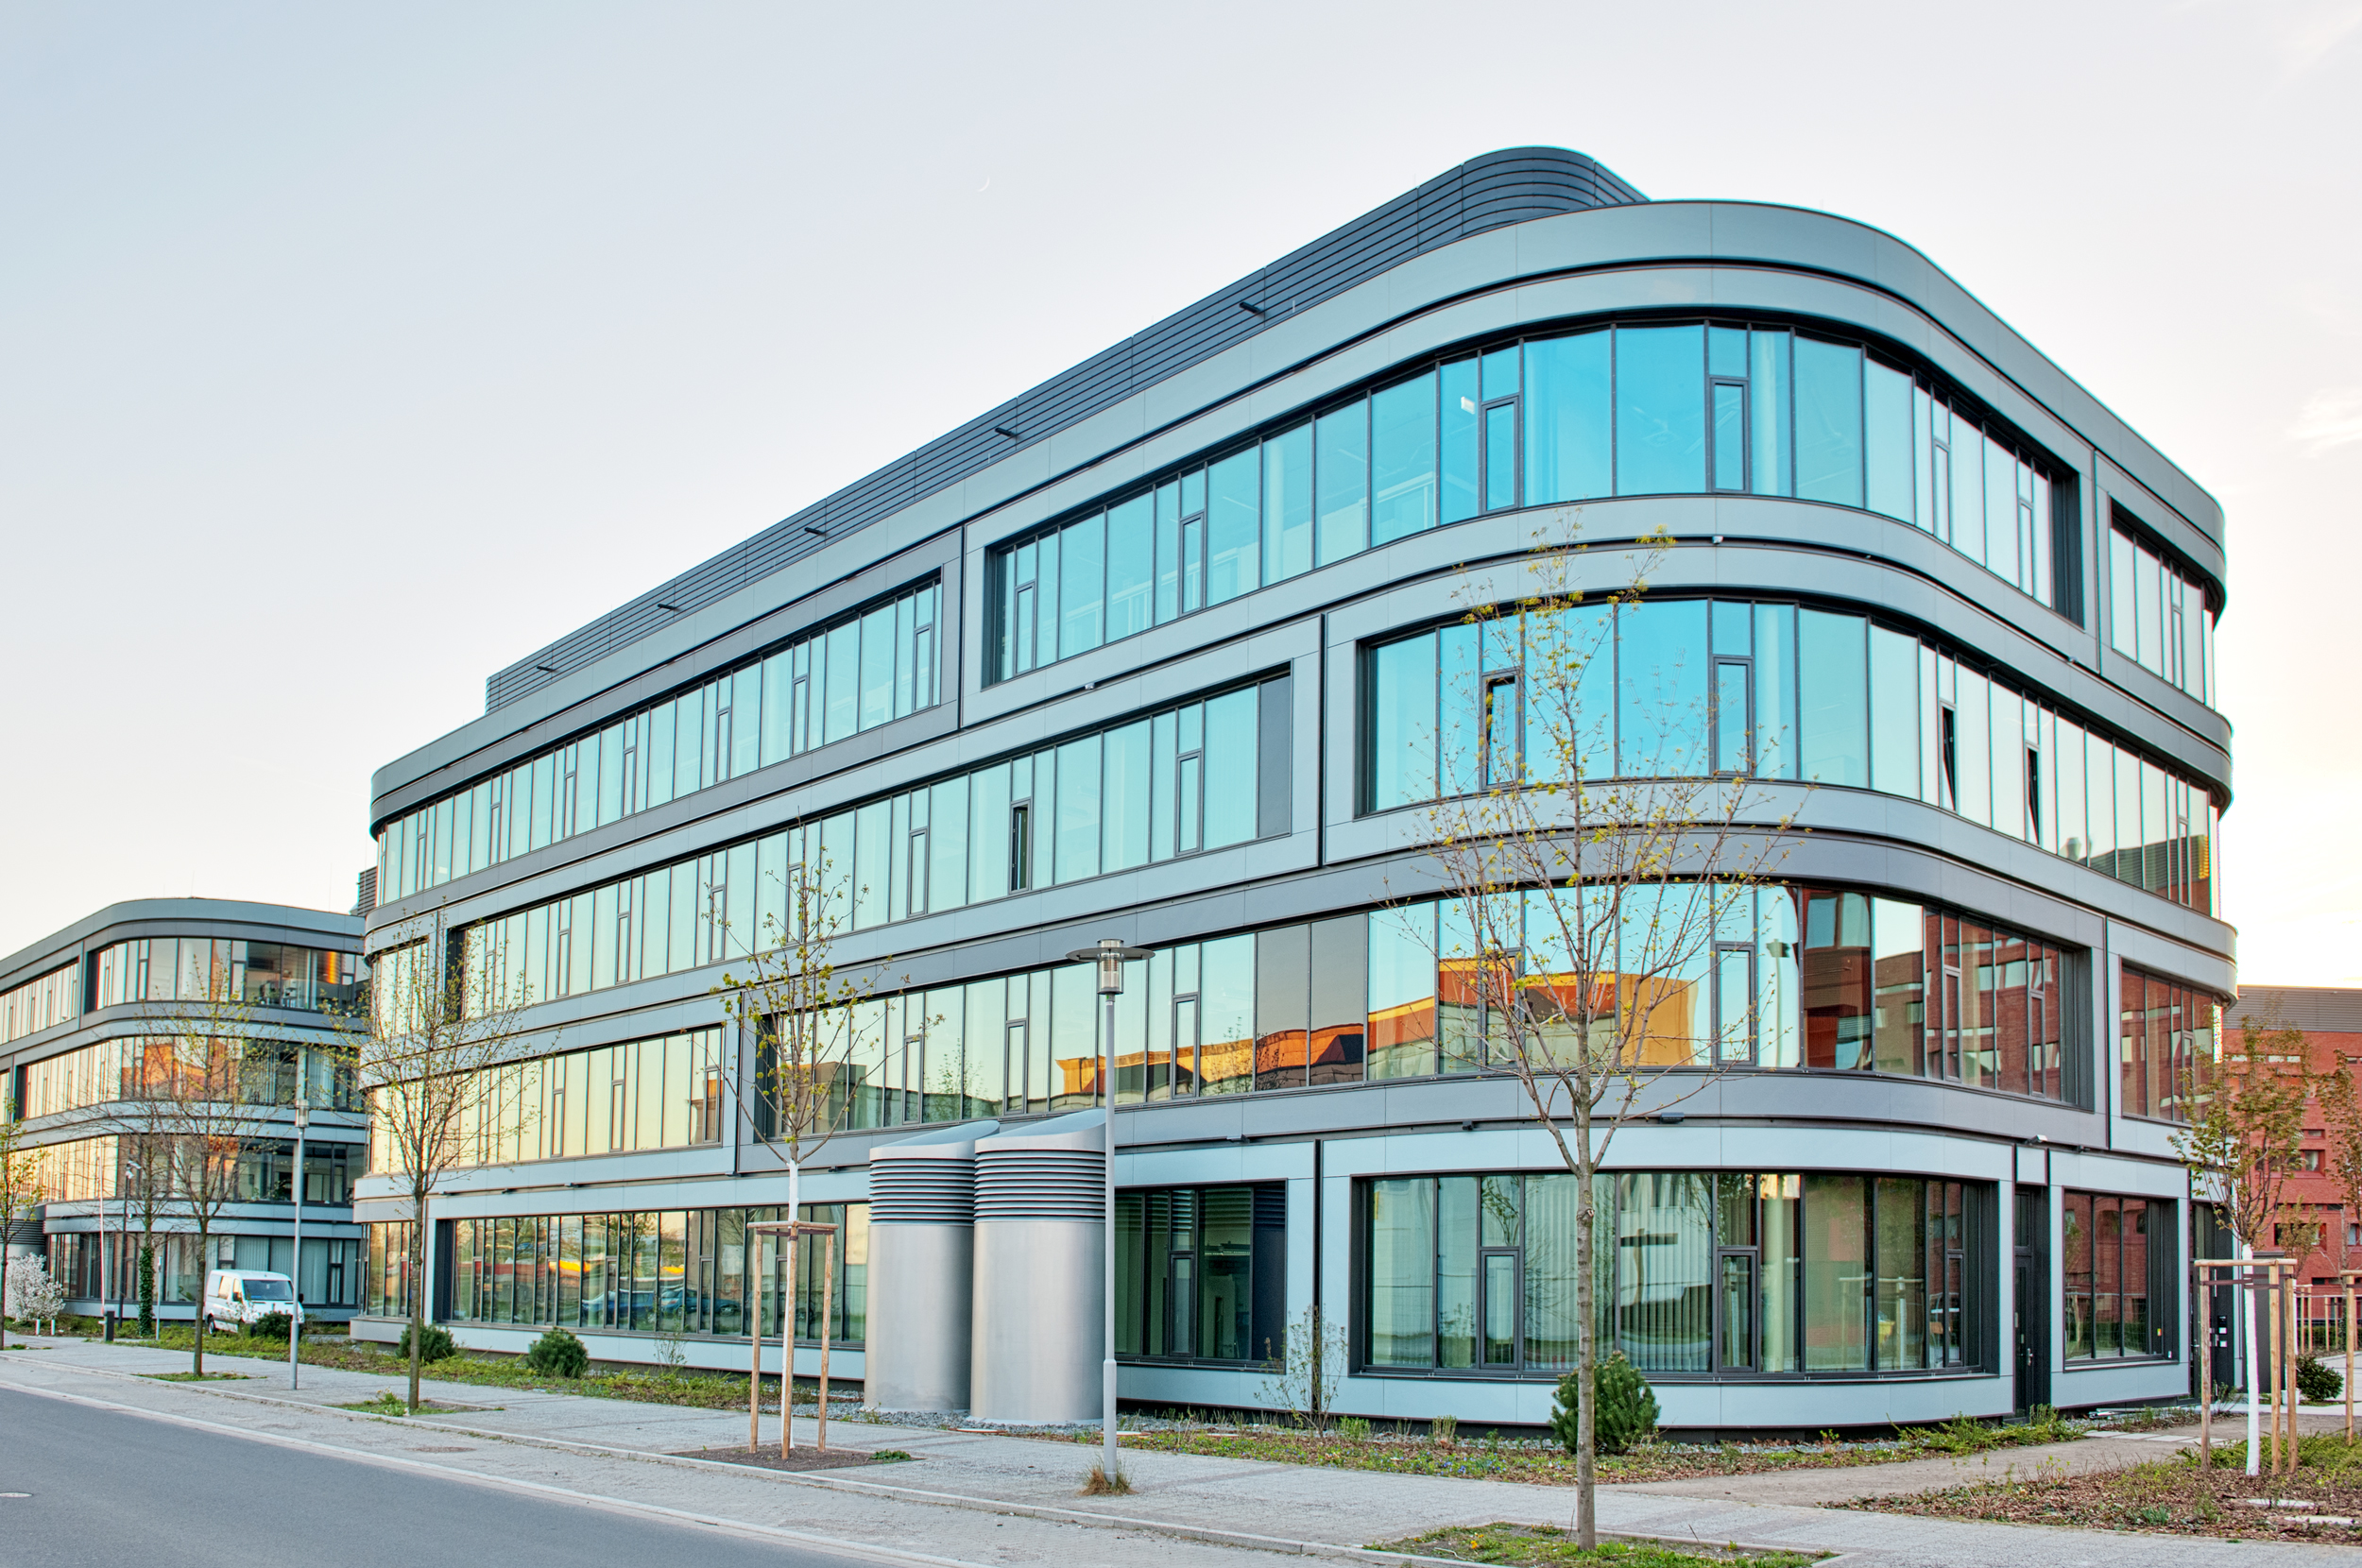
{"type": "Point", "coordinates": [1513, 185]}
{"type": "Point", "coordinates": [61, 946]}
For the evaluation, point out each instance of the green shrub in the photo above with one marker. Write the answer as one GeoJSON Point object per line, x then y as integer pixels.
{"type": "Point", "coordinates": [1627, 1413]}
{"type": "Point", "coordinates": [435, 1344]}
{"type": "Point", "coordinates": [1354, 1428]}
{"type": "Point", "coordinates": [557, 1354]}
{"type": "Point", "coordinates": [2317, 1382]}
{"type": "Point", "coordinates": [270, 1325]}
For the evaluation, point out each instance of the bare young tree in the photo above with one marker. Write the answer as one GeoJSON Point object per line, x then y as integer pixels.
{"type": "Point", "coordinates": [2248, 1136]}
{"type": "Point", "coordinates": [20, 1186]}
{"type": "Point", "coordinates": [1597, 926]}
{"type": "Point", "coordinates": [802, 1016]}
{"type": "Point", "coordinates": [435, 1054]}
{"type": "Point", "coordinates": [207, 1108]}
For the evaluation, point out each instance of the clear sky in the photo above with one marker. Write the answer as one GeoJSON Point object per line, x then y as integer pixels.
{"type": "Point", "coordinates": [347, 354]}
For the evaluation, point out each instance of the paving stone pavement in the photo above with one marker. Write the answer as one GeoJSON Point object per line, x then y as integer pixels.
{"type": "Point", "coordinates": [973, 1497]}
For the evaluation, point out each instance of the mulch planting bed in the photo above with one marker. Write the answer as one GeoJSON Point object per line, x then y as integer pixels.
{"type": "Point", "coordinates": [2321, 1501]}
{"type": "Point", "coordinates": [1548, 1464]}
{"type": "Point", "coordinates": [805, 1458]}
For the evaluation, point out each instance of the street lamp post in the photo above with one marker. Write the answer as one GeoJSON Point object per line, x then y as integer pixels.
{"type": "Point", "coordinates": [295, 1263]}
{"type": "Point", "coordinates": [1110, 955]}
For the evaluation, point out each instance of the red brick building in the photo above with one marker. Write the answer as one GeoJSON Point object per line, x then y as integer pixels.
{"type": "Point", "coordinates": [2331, 1021]}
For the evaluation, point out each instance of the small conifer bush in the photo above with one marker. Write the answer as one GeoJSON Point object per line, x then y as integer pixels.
{"type": "Point", "coordinates": [1627, 1413]}
{"type": "Point", "coordinates": [557, 1354]}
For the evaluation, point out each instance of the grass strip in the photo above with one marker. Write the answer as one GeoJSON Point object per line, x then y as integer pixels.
{"type": "Point", "coordinates": [1541, 1546]}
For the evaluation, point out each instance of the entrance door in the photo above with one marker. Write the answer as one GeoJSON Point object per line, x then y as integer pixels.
{"type": "Point", "coordinates": [2029, 1300]}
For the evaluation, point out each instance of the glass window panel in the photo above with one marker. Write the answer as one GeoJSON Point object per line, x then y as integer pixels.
{"type": "Point", "coordinates": [1730, 436]}
{"type": "Point", "coordinates": [1828, 421]}
{"type": "Point", "coordinates": [843, 701]}
{"type": "Point", "coordinates": [1402, 461]}
{"type": "Point", "coordinates": [1661, 668]}
{"type": "Point", "coordinates": [1402, 992]}
{"type": "Point", "coordinates": [1124, 798]}
{"type": "Point", "coordinates": [1837, 1275]}
{"type": "Point", "coordinates": [1660, 410]}
{"type": "Point", "coordinates": [1898, 984]}
{"type": "Point", "coordinates": [1901, 1309]}
{"type": "Point", "coordinates": [1078, 810]}
{"type": "Point", "coordinates": [1402, 1243]}
{"type": "Point", "coordinates": [1887, 437]}
{"type": "Point", "coordinates": [1455, 1271]}
{"type": "Point", "coordinates": [1568, 416]}
{"type": "Point", "coordinates": [1774, 673]}
{"type": "Point", "coordinates": [1461, 422]}
{"type": "Point", "coordinates": [1968, 489]}
{"type": "Point", "coordinates": [1226, 1016]}
{"type": "Point", "coordinates": [1974, 747]}
{"type": "Point", "coordinates": [2123, 620]}
{"type": "Point", "coordinates": [1232, 792]}
{"type": "Point", "coordinates": [1341, 453]}
{"type": "Point", "coordinates": [1771, 470]}
{"type": "Point", "coordinates": [1894, 712]}
{"type": "Point", "coordinates": [1664, 1275]}
{"type": "Point", "coordinates": [2009, 761]}
{"type": "Point", "coordinates": [1233, 527]}
{"type": "Point", "coordinates": [988, 834]}
{"type": "Point", "coordinates": [1131, 538]}
{"type": "Point", "coordinates": [1403, 739]}
{"type": "Point", "coordinates": [1833, 657]}
{"type": "Point", "coordinates": [1288, 503]}
{"type": "Point", "coordinates": [877, 667]}
{"type": "Point", "coordinates": [1082, 596]}
{"type": "Point", "coordinates": [1501, 456]}
{"type": "Point", "coordinates": [2001, 520]}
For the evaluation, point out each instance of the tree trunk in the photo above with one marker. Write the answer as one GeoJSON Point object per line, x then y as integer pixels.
{"type": "Point", "coordinates": [1586, 1349]}
{"type": "Point", "coordinates": [417, 1294]}
{"type": "Point", "coordinates": [203, 1235]}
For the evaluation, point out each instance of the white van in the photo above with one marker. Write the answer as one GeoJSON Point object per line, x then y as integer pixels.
{"type": "Point", "coordinates": [235, 1296]}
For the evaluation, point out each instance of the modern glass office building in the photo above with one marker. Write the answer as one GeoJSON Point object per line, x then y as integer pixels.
{"type": "Point", "coordinates": [96, 1025]}
{"type": "Point", "coordinates": [1162, 650]}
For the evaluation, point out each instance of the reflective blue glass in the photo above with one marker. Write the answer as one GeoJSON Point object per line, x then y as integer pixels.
{"type": "Point", "coordinates": [1828, 421]}
{"type": "Point", "coordinates": [1402, 442]}
{"type": "Point", "coordinates": [1288, 503]}
{"type": "Point", "coordinates": [1341, 453]}
{"type": "Point", "coordinates": [1567, 416]}
{"type": "Point", "coordinates": [1661, 689]}
{"type": "Point", "coordinates": [1131, 564]}
{"type": "Point", "coordinates": [1660, 410]}
{"type": "Point", "coordinates": [1460, 441]}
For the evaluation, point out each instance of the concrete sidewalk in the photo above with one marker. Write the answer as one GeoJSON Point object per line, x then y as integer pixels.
{"type": "Point", "coordinates": [618, 1450]}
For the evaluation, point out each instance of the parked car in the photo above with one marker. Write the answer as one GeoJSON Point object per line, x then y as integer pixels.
{"type": "Point", "coordinates": [234, 1297]}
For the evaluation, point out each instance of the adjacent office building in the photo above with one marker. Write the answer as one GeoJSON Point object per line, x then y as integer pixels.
{"type": "Point", "coordinates": [93, 1022]}
{"type": "Point", "coordinates": [1172, 648]}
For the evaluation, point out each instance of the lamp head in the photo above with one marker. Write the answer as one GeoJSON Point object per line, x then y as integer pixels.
{"type": "Point", "coordinates": [1110, 955]}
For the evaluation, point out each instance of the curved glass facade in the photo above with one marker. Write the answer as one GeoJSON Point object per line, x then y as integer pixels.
{"type": "Point", "coordinates": [1661, 408]}
{"type": "Point", "coordinates": [1687, 687]}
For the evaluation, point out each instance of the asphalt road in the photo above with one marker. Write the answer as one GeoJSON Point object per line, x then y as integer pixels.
{"type": "Point", "coordinates": [105, 1488]}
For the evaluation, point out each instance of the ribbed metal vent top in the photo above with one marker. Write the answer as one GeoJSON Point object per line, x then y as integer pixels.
{"type": "Point", "coordinates": [1511, 186]}
{"type": "Point", "coordinates": [1039, 1184]}
{"type": "Point", "coordinates": [922, 1192]}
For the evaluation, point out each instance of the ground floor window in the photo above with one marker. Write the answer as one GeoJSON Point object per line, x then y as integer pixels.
{"type": "Point", "coordinates": [650, 1272]}
{"type": "Point", "coordinates": [1694, 1272]}
{"type": "Point", "coordinates": [2120, 1256]}
{"type": "Point", "coordinates": [1200, 1273]}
